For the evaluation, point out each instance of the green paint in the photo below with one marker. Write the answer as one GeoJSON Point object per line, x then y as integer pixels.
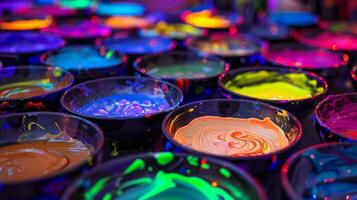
{"type": "Point", "coordinates": [107, 196]}
{"type": "Point", "coordinates": [188, 70]}
{"type": "Point", "coordinates": [205, 166]}
{"type": "Point", "coordinates": [271, 85]}
{"type": "Point", "coordinates": [164, 158]}
{"type": "Point", "coordinates": [137, 164]}
{"type": "Point", "coordinates": [193, 160]}
{"type": "Point", "coordinates": [171, 186]}
{"type": "Point", "coordinates": [150, 169]}
{"type": "Point", "coordinates": [96, 188]}
{"type": "Point", "coordinates": [79, 4]}
{"type": "Point", "coordinates": [225, 172]}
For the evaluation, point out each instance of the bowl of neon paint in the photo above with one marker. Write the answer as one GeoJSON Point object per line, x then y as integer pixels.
{"type": "Point", "coordinates": [292, 55]}
{"type": "Point", "coordinates": [76, 4]}
{"type": "Point", "coordinates": [79, 31]}
{"type": "Point", "coordinates": [270, 32]}
{"type": "Point", "coordinates": [290, 89]}
{"type": "Point", "coordinates": [136, 46]}
{"type": "Point", "coordinates": [28, 46]}
{"type": "Point", "coordinates": [335, 117]}
{"type": "Point", "coordinates": [119, 9]}
{"type": "Point", "coordinates": [45, 10]}
{"type": "Point", "coordinates": [209, 19]}
{"type": "Point", "coordinates": [324, 171]}
{"type": "Point", "coordinates": [42, 152]}
{"type": "Point", "coordinates": [25, 23]}
{"type": "Point", "coordinates": [336, 41]}
{"type": "Point", "coordinates": [194, 74]}
{"type": "Point", "coordinates": [243, 131]}
{"type": "Point", "coordinates": [238, 49]}
{"type": "Point", "coordinates": [128, 109]}
{"type": "Point", "coordinates": [165, 175]}
{"type": "Point", "coordinates": [87, 62]}
{"type": "Point", "coordinates": [32, 88]}
{"type": "Point", "coordinates": [353, 75]}
{"type": "Point", "coordinates": [296, 19]}
{"type": "Point", "coordinates": [127, 23]}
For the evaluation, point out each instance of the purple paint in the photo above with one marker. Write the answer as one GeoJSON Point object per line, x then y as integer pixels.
{"type": "Point", "coordinates": [29, 42]}
{"type": "Point", "coordinates": [49, 10]}
{"type": "Point", "coordinates": [301, 58]}
{"type": "Point", "coordinates": [338, 113]}
{"type": "Point", "coordinates": [79, 30]}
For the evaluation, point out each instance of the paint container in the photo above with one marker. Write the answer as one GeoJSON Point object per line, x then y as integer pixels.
{"type": "Point", "coordinates": [295, 19]}
{"type": "Point", "coordinates": [176, 176]}
{"type": "Point", "coordinates": [28, 46]}
{"type": "Point", "coordinates": [88, 62]}
{"type": "Point", "coordinates": [213, 21]}
{"type": "Point", "coordinates": [32, 88]}
{"type": "Point", "coordinates": [324, 171]}
{"type": "Point", "coordinates": [342, 42]}
{"type": "Point", "coordinates": [291, 55]}
{"type": "Point", "coordinates": [229, 134]}
{"type": "Point", "coordinates": [293, 90]}
{"type": "Point", "coordinates": [25, 23]}
{"type": "Point", "coordinates": [270, 32]}
{"type": "Point", "coordinates": [77, 31]}
{"type": "Point", "coordinates": [128, 109]}
{"type": "Point", "coordinates": [194, 74]}
{"type": "Point", "coordinates": [176, 31]}
{"type": "Point", "coordinates": [336, 117]}
{"type": "Point", "coordinates": [52, 129]}
{"type": "Point", "coordinates": [237, 49]}
{"type": "Point", "coordinates": [119, 9]}
{"type": "Point", "coordinates": [136, 46]}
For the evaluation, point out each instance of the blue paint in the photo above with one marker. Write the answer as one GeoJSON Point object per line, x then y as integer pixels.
{"type": "Point", "coordinates": [125, 105]}
{"type": "Point", "coordinates": [81, 57]}
{"type": "Point", "coordinates": [297, 19]}
{"type": "Point", "coordinates": [120, 9]}
{"type": "Point", "coordinates": [139, 45]}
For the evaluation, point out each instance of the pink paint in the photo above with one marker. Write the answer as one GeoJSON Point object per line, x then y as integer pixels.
{"type": "Point", "coordinates": [305, 58]}
{"type": "Point", "coordinates": [329, 40]}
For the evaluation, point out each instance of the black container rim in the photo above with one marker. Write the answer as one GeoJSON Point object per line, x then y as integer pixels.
{"type": "Point", "coordinates": [241, 158]}
{"type": "Point", "coordinates": [137, 64]}
{"type": "Point", "coordinates": [277, 69]}
{"type": "Point", "coordinates": [321, 103]}
{"type": "Point", "coordinates": [96, 151]}
{"type": "Point", "coordinates": [251, 180]}
{"type": "Point", "coordinates": [44, 68]}
{"type": "Point", "coordinates": [65, 106]}
{"type": "Point", "coordinates": [285, 168]}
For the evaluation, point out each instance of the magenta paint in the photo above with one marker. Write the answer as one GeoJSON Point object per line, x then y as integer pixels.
{"type": "Point", "coordinates": [338, 114]}
{"type": "Point", "coordinates": [301, 58]}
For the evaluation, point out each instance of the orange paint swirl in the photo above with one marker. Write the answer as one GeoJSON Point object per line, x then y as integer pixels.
{"type": "Point", "coordinates": [235, 137]}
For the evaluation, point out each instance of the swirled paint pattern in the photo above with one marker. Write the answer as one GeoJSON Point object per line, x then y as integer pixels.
{"type": "Point", "coordinates": [27, 89]}
{"type": "Point", "coordinates": [228, 136]}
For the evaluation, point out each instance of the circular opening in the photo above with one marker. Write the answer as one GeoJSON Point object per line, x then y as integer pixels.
{"type": "Point", "coordinates": [121, 98]}
{"type": "Point", "coordinates": [26, 82]}
{"type": "Point", "coordinates": [324, 171]}
{"type": "Point", "coordinates": [47, 133]}
{"type": "Point", "coordinates": [257, 83]}
{"type": "Point", "coordinates": [211, 127]}
{"type": "Point", "coordinates": [337, 113]}
{"type": "Point", "coordinates": [180, 66]}
{"type": "Point", "coordinates": [191, 177]}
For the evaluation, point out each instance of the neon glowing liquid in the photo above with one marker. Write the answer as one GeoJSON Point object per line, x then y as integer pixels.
{"type": "Point", "coordinates": [270, 85]}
